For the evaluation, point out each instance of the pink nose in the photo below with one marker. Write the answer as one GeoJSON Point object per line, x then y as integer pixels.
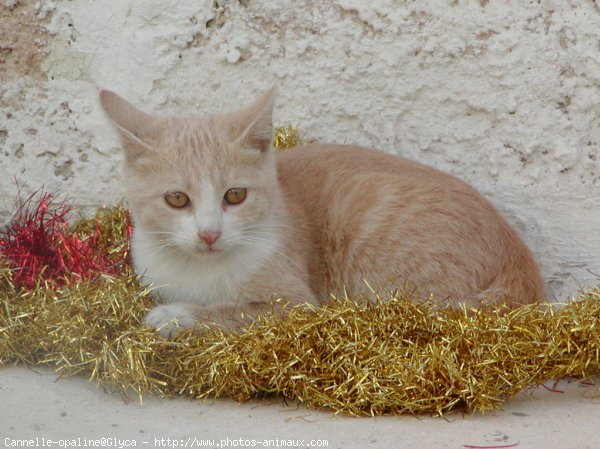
{"type": "Point", "coordinates": [210, 237]}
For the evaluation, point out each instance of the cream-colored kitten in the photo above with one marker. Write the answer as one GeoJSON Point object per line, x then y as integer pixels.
{"type": "Point", "coordinates": [223, 224]}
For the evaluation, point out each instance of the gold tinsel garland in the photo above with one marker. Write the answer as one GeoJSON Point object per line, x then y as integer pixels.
{"type": "Point", "coordinates": [389, 357]}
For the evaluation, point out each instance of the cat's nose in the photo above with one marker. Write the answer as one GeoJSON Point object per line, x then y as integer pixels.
{"type": "Point", "coordinates": [210, 237]}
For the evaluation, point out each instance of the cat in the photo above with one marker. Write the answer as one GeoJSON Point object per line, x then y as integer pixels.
{"type": "Point", "coordinates": [223, 223]}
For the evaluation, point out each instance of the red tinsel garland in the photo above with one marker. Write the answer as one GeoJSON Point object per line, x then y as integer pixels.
{"type": "Point", "coordinates": [39, 244]}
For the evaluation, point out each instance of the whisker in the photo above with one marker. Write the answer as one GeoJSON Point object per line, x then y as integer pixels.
{"type": "Point", "coordinates": [256, 235]}
{"type": "Point", "coordinates": [257, 243]}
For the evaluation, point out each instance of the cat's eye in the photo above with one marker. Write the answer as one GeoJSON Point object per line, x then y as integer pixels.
{"type": "Point", "coordinates": [177, 200]}
{"type": "Point", "coordinates": [235, 196]}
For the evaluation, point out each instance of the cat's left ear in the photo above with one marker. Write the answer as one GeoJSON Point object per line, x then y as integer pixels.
{"type": "Point", "coordinates": [257, 122]}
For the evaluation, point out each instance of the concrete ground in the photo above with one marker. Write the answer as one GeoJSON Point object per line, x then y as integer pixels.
{"type": "Point", "coordinates": [37, 409]}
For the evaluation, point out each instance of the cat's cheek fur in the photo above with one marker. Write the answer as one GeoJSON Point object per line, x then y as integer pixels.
{"type": "Point", "coordinates": [186, 232]}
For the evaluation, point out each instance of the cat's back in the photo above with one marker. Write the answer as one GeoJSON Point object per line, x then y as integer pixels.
{"type": "Point", "coordinates": [367, 215]}
{"type": "Point", "coordinates": [315, 164]}
{"type": "Point", "coordinates": [338, 178]}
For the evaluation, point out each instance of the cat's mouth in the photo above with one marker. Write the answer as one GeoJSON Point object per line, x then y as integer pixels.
{"type": "Point", "coordinates": [208, 250]}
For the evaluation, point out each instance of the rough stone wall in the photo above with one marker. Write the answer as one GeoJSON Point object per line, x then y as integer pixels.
{"type": "Point", "coordinates": [504, 94]}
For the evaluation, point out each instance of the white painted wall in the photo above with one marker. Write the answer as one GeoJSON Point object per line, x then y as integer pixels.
{"type": "Point", "coordinates": [504, 94]}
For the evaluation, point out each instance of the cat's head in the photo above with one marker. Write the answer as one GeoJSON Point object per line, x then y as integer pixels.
{"type": "Point", "coordinates": [202, 185]}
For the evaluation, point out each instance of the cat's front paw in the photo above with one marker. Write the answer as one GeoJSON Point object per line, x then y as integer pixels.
{"type": "Point", "coordinates": [170, 319]}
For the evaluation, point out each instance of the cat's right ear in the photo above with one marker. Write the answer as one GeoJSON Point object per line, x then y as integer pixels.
{"type": "Point", "coordinates": [133, 124]}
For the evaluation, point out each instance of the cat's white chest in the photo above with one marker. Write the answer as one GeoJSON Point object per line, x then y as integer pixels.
{"type": "Point", "coordinates": [212, 279]}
